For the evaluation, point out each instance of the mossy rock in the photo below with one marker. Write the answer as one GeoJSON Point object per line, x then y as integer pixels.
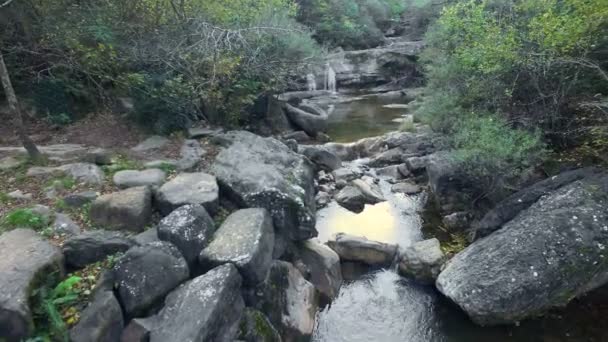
{"type": "Point", "coordinates": [255, 327]}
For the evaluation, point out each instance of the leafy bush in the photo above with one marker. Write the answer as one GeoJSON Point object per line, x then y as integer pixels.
{"type": "Point", "coordinates": [23, 218]}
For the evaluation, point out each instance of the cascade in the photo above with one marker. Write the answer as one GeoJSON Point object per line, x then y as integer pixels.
{"type": "Point", "coordinates": [311, 82]}
{"type": "Point", "coordinates": [330, 79]}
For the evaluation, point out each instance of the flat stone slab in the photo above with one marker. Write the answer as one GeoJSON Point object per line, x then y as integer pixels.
{"type": "Point", "coordinates": [132, 178]}
{"type": "Point", "coordinates": [25, 261]}
{"type": "Point", "coordinates": [129, 209]}
{"type": "Point", "coordinates": [81, 172]}
{"type": "Point", "coordinates": [360, 249]}
{"type": "Point", "coordinates": [245, 239]}
{"type": "Point", "coordinates": [188, 188]}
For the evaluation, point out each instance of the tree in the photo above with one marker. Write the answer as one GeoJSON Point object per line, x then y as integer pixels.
{"type": "Point", "coordinates": [15, 110]}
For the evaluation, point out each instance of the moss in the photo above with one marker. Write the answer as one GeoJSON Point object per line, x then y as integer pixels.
{"type": "Point", "coordinates": [23, 218]}
{"type": "Point", "coordinates": [121, 163]}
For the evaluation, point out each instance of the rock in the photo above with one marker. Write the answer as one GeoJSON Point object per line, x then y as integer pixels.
{"type": "Point", "coordinates": [129, 209]}
{"type": "Point", "coordinates": [289, 301]}
{"type": "Point", "coordinates": [62, 153]}
{"type": "Point", "coordinates": [207, 308]}
{"type": "Point", "coordinates": [19, 195]}
{"type": "Point", "coordinates": [43, 211]}
{"type": "Point", "coordinates": [138, 330]}
{"type": "Point", "coordinates": [322, 199]}
{"type": "Point", "coordinates": [310, 123]}
{"type": "Point", "coordinates": [188, 188]}
{"type": "Point", "coordinates": [145, 274]}
{"type": "Point", "coordinates": [391, 172]}
{"type": "Point", "coordinates": [354, 248]}
{"type": "Point", "coordinates": [322, 138]}
{"type": "Point", "coordinates": [202, 132]}
{"type": "Point", "coordinates": [406, 188]}
{"type": "Point", "coordinates": [346, 174]}
{"type": "Point", "coordinates": [324, 159]}
{"type": "Point", "coordinates": [188, 227]}
{"type": "Point", "coordinates": [390, 157]}
{"type": "Point", "coordinates": [79, 199]}
{"type": "Point", "coordinates": [191, 154]}
{"type": "Point", "coordinates": [64, 225]}
{"type": "Point", "coordinates": [417, 165]}
{"type": "Point", "coordinates": [86, 173]}
{"type": "Point", "coordinates": [544, 257]}
{"type": "Point", "coordinates": [324, 265]}
{"type": "Point", "coordinates": [301, 95]}
{"type": "Point", "coordinates": [9, 163]}
{"type": "Point", "coordinates": [154, 142]}
{"type": "Point", "coordinates": [101, 321]}
{"type": "Point", "coordinates": [299, 136]}
{"type": "Point", "coordinates": [98, 156]}
{"type": "Point", "coordinates": [404, 171]}
{"type": "Point", "coordinates": [26, 259]}
{"type": "Point", "coordinates": [422, 261]}
{"type": "Point", "coordinates": [353, 270]}
{"type": "Point", "coordinates": [133, 178]}
{"type": "Point", "coordinates": [261, 172]}
{"type": "Point", "coordinates": [312, 108]}
{"type": "Point", "coordinates": [255, 327]}
{"type": "Point", "coordinates": [519, 201]}
{"type": "Point", "coordinates": [161, 164]}
{"type": "Point", "coordinates": [245, 239]}
{"type": "Point", "coordinates": [93, 246]}
{"type": "Point", "coordinates": [357, 195]}
{"type": "Point", "coordinates": [448, 182]}
{"type": "Point", "coordinates": [292, 144]}
{"type": "Point", "coordinates": [146, 237]}
{"type": "Point", "coordinates": [458, 221]}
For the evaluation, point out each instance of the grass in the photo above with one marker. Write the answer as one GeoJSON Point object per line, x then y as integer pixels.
{"type": "Point", "coordinates": [408, 126]}
{"type": "Point", "coordinates": [65, 182]}
{"type": "Point", "coordinates": [23, 218]}
{"type": "Point", "coordinates": [4, 198]}
{"type": "Point", "coordinates": [121, 163]}
{"type": "Point", "coordinates": [167, 167]}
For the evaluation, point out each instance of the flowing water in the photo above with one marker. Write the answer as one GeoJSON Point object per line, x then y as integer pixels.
{"type": "Point", "coordinates": [384, 307]}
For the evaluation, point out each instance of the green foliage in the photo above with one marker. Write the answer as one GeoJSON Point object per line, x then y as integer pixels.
{"type": "Point", "coordinates": [49, 304]}
{"type": "Point", "coordinates": [23, 218]}
{"type": "Point", "coordinates": [121, 163]}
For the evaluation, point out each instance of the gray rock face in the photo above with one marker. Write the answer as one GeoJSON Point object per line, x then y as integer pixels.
{"type": "Point", "coordinates": [354, 248]}
{"type": "Point", "coordinates": [145, 274]}
{"type": "Point", "coordinates": [447, 181]}
{"type": "Point", "coordinates": [25, 261]}
{"type": "Point", "coordinates": [188, 188]}
{"type": "Point", "coordinates": [310, 123]}
{"type": "Point", "coordinates": [390, 157]}
{"type": "Point", "coordinates": [132, 178]}
{"type": "Point", "coordinates": [355, 196]}
{"type": "Point", "coordinates": [422, 260]}
{"type": "Point", "coordinates": [261, 172]}
{"type": "Point", "coordinates": [64, 225]}
{"type": "Point", "coordinates": [255, 327]}
{"type": "Point", "coordinates": [93, 246]}
{"type": "Point", "coordinates": [324, 265]}
{"type": "Point", "coordinates": [152, 143]}
{"type": "Point", "coordinates": [346, 174]}
{"type": "Point", "coordinates": [129, 209]}
{"type": "Point", "coordinates": [101, 321]}
{"type": "Point", "coordinates": [191, 153]}
{"type": "Point", "coordinates": [207, 308]}
{"type": "Point", "coordinates": [150, 235]}
{"type": "Point", "coordinates": [324, 159]}
{"type": "Point", "coordinates": [547, 255]}
{"type": "Point", "coordinates": [188, 227]}
{"type": "Point", "coordinates": [81, 172]}
{"type": "Point", "coordinates": [245, 239]}
{"type": "Point", "coordinates": [289, 301]}
{"type": "Point", "coordinates": [79, 199]}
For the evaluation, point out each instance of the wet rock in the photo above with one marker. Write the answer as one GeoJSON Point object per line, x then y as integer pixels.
{"type": "Point", "coordinates": [79, 199]}
{"type": "Point", "coordinates": [292, 144]}
{"type": "Point", "coordinates": [458, 221]}
{"type": "Point", "coordinates": [422, 261]}
{"type": "Point", "coordinates": [322, 199]}
{"type": "Point", "coordinates": [406, 188]}
{"type": "Point", "coordinates": [355, 196]}
{"type": "Point", "coordinates": [323, 159]}
{"type": "Point", "coordinates": [101, 321]}
{"type": "Point", "coordinates": [26, 259]}
{"type": "Point", "coordinates": [353, 270]}
{"type": "Point", "coordinates": [324, 265]}
{"type": "Point", "coordinates": [133, 178]}
{"type": "Point", "coordinates": [310, 123]}
{"type": "Point", "coordinates": [188, 188]}
{"type": "Point", "coordinates": [188, 227]}
{"type": "Point", "coordinates": [92, 246]}
{"type": "Point", "coordinates": [145, 274]}
{"type": "Point", "coordinates": [245, 239]}
{"type": "Point", "coordinates": [289, 301]}
{"type": "Point", "coordinates": [154, 142]}
{"type": "Point", "coordinates": [390, 157]}
{"type": "Point", "coordinates": [391, 172]}
{"type": "Point", "coordinates": [261, 172]}
{"type": "Point", "coordinates": [548, 254]}
{"type": "Point", "coordinates": [255, 327]}
{"type": "Point", "coordinates": [299, 136]}
{"type": "Point", "coordinates": [191, 154]}
{"type": "Point", "coordinates": [64, 225]}
{"type": "Point", "coordinates": [129, 209]}
{"type": "Point", "coordinates": [207, 308]}
{"type": "Point", "coordinates": [148, 236]}
{"type": "Point", "coordinates": [354, 248]}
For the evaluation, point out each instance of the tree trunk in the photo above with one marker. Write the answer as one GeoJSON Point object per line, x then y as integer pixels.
{"type": "Point", "coordinates": [15, 111]}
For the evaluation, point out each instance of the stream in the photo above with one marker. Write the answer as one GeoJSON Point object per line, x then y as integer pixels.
{"type": "Point", "coordinates": [381, 305]}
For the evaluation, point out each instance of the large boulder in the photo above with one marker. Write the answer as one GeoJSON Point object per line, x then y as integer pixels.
{"type": "Point", "coordinates": [324, 266]}
{"type": "Point", "coordinates": [129, 209]}
{"type": "Point", "coordinates": [190, 228]}
{"type": "Point", "coordinates": [311, 123]}
{"type": "Point", "coordinates": [261, 172]}
{"type": "Point", "coordinates": [132, 178]}
{"type": "Point", "coordinates": [255, 327]}
{"type": "Point", "coordinates": [191, 154]}
{"type": "Point", "coordinates": [289, 301]}
{"type": "Point", "coordinates": [323, 159]}
{"type": "Point", "coordinates": [422, 260]}
{"type": "Point", "coordinates": [448, 181]}
{"type": "Point", "coordinates": [93, 246]}
{"type": "Point", "coordinates": [26, 259]}
{"type": "Point", "coordinates": [188, 188]}
{"type": "Point", "coordinates": [544, 257]}
{"type": "Point", "coordinates": [207, 308]}
{"type": "Point", "coordinates": [360, 249]}
{"type": "Point", "coordinates": [245, 239]}
{"type": "Point", "coordinates": [145, 274]}
{"type": "Point", "coordinates": [101, 321]}
{"type": "Point", "coordinates": [354, 197]}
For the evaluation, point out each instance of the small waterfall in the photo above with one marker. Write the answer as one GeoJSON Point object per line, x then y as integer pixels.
{"type": "Point", "coordinates": [330, 79]}
{"type": "Point", "coordinates": [311, 82]}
